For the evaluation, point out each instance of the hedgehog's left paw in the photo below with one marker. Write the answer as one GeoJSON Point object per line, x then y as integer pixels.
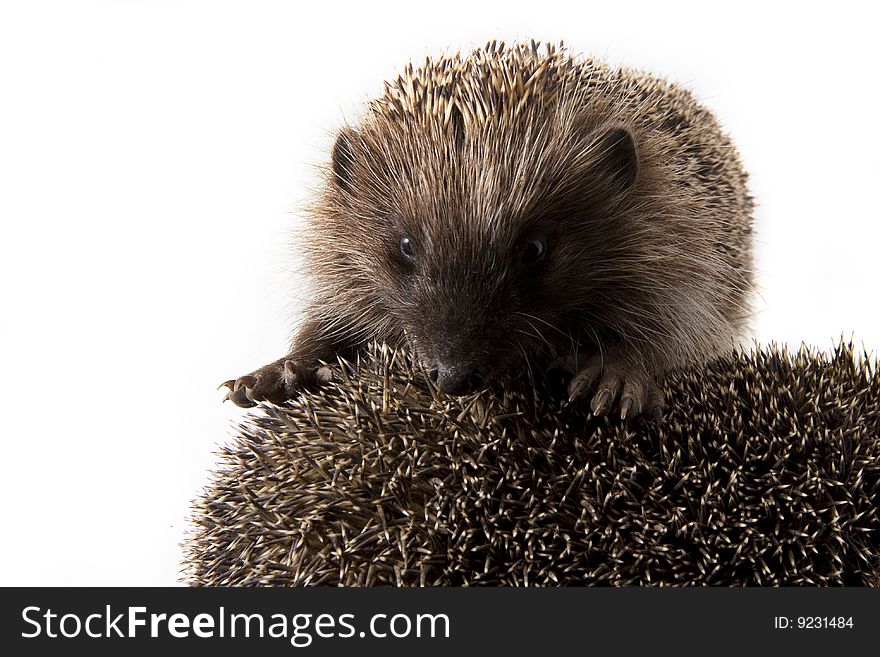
{"type": "Point", "coordinates": [275, 382]}
{"type": "Point", "coordinates": [615, 384]}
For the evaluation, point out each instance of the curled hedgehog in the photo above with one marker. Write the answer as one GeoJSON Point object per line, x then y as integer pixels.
{"type": "Point", "coordinates": [519, 208]}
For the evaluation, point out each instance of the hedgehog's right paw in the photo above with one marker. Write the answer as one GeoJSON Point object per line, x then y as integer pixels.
{"type": "Point", "coordinates": [275, 382]}
{"type": "Point", "coordinates": [615, 383]}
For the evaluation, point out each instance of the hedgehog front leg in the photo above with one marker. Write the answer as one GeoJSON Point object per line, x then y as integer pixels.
{"type": "Point", "coordinates": [615, 380]}
{"type": "Point", "coordinates": [279, 380]}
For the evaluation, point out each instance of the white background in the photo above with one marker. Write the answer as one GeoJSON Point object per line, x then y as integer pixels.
{"type": "Point", "coordinates": [152, 159]}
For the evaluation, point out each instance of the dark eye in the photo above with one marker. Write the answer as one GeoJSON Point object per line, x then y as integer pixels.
{"type": "Point", "coordinates": [534, 251]}
{"type": "Point", "coordinates": [406, 248]}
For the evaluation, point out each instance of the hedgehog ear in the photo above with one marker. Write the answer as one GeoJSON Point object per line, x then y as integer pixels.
{"type": "Point", "coordinates": [616, 155]}
{"type": "Point", "coordinates": [343, 159]}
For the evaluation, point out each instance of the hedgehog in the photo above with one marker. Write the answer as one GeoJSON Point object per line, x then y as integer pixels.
{"type": "Point", "coordinates": [765, 471]}
{"type": "Point", "coordinates": [521, 209]}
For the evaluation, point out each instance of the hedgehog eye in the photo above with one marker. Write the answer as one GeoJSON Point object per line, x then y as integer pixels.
{"type": "Point", "coordinates": [406, 248]}
{"type": "Point", "coordinates": [534, 251]}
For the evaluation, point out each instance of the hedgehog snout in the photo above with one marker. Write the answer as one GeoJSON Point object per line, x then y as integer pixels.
{"type": "Point", "coordinates": [455, 378]}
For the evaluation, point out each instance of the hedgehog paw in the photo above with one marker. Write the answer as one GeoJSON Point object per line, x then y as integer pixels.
{"type": "Point", "coordinates": [631, 390]}
{"type": "Point", "coordinates": [275, 382]}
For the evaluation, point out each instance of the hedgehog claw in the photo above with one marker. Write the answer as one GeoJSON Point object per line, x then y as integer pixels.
{"type": "Point", "coordinates": [626, 404]}
{"type": "Point", "coordinates": [289, 373]}
{"type": "Point", "coordinates": [601, 403]}
{"type": "Point", "coordinates": [575, 389]}
{"type": "Point", "coordinates": [246, 381]}
{"type": "Point", "coordinates": [607, 393]}
{"type": "Point", "coordinates": [240, 397]}
{"type": "Point", "coordinates": [582, 381]}
{"type": "Point", "coordinates": [324, 375]}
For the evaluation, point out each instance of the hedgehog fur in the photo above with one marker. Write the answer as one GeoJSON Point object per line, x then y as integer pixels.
{"type": "Point", "coordinates": [467, 147]}
{"type": "Point", "coordinates": [420, 235]}
{"type": "Point", "coordinates": [766, 471]}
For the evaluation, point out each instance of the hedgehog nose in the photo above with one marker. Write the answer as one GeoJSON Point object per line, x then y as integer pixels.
{"type": "Point", "coordinates": [455, 379]}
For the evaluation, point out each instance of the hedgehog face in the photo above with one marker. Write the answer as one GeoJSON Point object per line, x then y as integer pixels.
{"type": "Point", "coordinates": [469, 302]}
{"type": "Point", "coordinates": [464, 246]}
